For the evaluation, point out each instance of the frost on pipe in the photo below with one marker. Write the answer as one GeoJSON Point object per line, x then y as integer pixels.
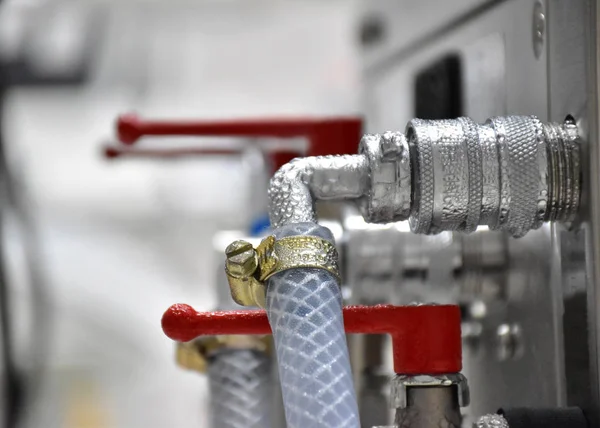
{"type": "Point", "coordinates": [304, 307]}
{"type": "Point", "coordinates": [240, 389]}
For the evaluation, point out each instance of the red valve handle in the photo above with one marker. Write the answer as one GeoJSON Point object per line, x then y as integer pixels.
{"type": "Point", "coordinates": [425, 339]}
{"type": "Point", "coordinates": [113, 152]}
{"type": "Point", "coordinates": [331, 136]}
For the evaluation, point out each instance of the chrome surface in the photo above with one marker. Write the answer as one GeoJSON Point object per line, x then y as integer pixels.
{"type": "Point", "coordinates": [430, 407]}
{"type": "Point", "coordinates": [491, 421]}
{"type": "Point", "coordinates": [388, 263]}
{"type": "Point", "coordinates": [501, 76]}
{"type": "Point", "coordinates": [297, 185]}
{"type": "Point", "coordinates": [526, 163]}
{"type": "Point", "coordinates": [401, 385]}
{"type": "Point", "coordinates": [592, 228]}
{"type": "Point", "coordinates": [441, 183]}
{"type": "Point", "coordinates": [389, 195]}
{"type": "Point", "coordinates": [573, 91]}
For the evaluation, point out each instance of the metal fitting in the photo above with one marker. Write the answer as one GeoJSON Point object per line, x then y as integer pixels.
{"type": "Point", "coordinates": [248, 268]}
{"type": "Point", "coordinates": [195, 355]}
{"type": "Point", "coordinates": [429, 400]}
{"type": "Point", "coordinates": [297, 185]}
{"type": "Point", "coordinates": [401, 383]}
{"type": "Point", "coordinates": [389, 194]}
{"type": "Point", "coordinates": [240, 268]}
{"type": "Point", "coordinates": [511, 173]}
{"type": "Point", "coordinates": [491, 421]}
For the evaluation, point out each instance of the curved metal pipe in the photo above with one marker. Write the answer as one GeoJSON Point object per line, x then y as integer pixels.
{"type": "Point", "coordinates": [295, 187]}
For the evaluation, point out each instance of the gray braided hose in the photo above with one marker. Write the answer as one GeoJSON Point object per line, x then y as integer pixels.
{"type": "Point", "coordinates": [240, 389]}
{"type": "Point", "coordinates": [305, 312]}
{"type": "Point", "coordinates": [240, 380]}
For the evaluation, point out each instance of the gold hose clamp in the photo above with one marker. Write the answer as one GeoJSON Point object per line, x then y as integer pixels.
{"type": "Point", "coordinates": [249, 268]}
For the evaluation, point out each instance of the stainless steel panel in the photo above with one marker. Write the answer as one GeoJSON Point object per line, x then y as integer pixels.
{"type": "Point", "coordinates": [406, 24]}
{"type": "Point", "coordinates": [390, 93]}
{"type": "Point", "coordinates": [516, 355]}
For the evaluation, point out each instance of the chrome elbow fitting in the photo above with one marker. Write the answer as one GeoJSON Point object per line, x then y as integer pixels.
{"type": "Point", "coordinates": [511, 173]}
{"type": "Point", "coordinates": [297, 185]}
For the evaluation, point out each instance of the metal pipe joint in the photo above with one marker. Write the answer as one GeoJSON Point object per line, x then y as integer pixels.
{"type": "Point", "coordinates": [425, 401]}
{"type": "Point", "coordinates": [511, 173]}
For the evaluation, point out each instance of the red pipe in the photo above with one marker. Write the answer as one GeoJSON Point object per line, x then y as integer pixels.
{"type": "Point", "coordinates": [331, 136]}
{"type": "Point", "coordinates": [425, 339]}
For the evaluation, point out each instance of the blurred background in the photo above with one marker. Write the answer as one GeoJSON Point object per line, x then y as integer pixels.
{"type": "Point", "coordinates": [97, 247]}
{"type": "Point", "coordinates": [96, 250]}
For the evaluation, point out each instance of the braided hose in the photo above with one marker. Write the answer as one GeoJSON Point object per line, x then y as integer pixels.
{"type": "Point", "coordinates": [304, 307]}
{"type": "Point", "coordinates": [240, 390]}
{"type": "Point", "coordinates": [240, 380]}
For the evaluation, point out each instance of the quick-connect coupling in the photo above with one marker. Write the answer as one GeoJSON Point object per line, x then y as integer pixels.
{"type": "Point", "coordinates": [511, 173]}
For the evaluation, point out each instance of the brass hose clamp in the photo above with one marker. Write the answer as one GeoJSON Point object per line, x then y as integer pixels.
{"type": "Point", "coordinates": [249, 268]}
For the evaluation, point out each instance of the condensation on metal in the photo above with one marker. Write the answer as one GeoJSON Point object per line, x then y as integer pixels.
{"type": "Point", "coordinates": [519, 174]}
{"type": "Point", "coordinates": [511, 174]}
{"type": "Point", "coordinates": [389, 192]}
{"type": "Point", "coordinates": [491, 421]}
{"type": "Point", "coordinates": [295, 187]}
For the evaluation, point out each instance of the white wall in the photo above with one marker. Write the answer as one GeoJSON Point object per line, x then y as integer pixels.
{"type": "Point", "coordinates": [122, 241]}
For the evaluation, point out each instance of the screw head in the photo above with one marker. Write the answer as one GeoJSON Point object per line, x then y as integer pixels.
{"type": "Point", "coordinates": [237, 247]}
{"type": "Point", "coordinates": [241, 258]}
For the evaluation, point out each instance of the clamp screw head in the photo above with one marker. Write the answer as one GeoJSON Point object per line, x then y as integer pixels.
{"type": "Point", "coordinates": [240, 267]}
{"type": "Point", "coordinates": [241, 259]}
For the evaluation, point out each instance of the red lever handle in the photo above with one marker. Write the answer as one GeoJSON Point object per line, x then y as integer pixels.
{"type": "Point", "coordinates": [113, 152]}
{"type": "Point", "coordinates": [425, 339]}
{"type": "Point", "coordinates": [331, 136]}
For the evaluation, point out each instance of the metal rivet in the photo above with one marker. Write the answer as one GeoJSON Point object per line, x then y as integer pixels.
{"type": "Point", "coordinates": [510, 339]}
{"type": "Point", "coordinates": [539, 28]}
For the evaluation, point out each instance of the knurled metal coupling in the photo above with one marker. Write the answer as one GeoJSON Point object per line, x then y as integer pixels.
{"type": "Point", "coordinates": [511, 173]}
